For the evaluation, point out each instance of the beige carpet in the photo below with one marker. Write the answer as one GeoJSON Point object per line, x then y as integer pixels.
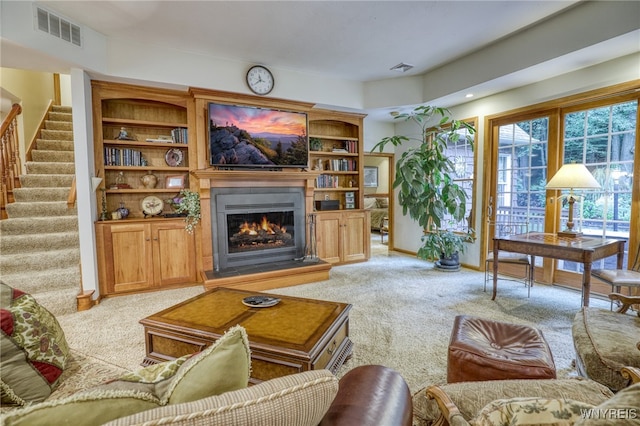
{"type": "Point", "coordinates": [401, 316]}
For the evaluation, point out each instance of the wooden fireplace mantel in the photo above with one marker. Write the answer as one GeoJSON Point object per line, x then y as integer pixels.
{"type": "Point", "coordinates": [210, 178]}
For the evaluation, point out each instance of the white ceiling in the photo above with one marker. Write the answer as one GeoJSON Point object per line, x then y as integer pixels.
{"type": "Point", "coordinates": [355, 40]}
{"type": "Point", "coordinates": [352, 40]}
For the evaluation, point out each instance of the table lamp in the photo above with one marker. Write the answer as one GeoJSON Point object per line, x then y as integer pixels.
{"type": "Point", "coordinates": [572, 176]}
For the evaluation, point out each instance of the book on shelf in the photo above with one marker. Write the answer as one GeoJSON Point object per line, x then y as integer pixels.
{"type": "Point", "coordinates": [123, 157]}
{"type": "Point", "coordinates": [179, 135]}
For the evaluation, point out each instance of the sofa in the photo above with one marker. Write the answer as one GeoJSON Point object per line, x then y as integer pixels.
{"type": "Point", "coordinates": [606, 341]}
{"type": "Point", "coordinates": [44, 382]}
{"type": "Point", "coordinates": [379, 210]}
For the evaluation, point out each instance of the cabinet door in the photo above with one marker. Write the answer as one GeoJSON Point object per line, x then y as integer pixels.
{"type": "Point", "coordinates": [355, 246]}
{"type": "Point", "coordinates": [128, 258]}
{"type": "Point", "coordinates": [328, 238]}
{"type": "Point", "coordinates": [174, 254]}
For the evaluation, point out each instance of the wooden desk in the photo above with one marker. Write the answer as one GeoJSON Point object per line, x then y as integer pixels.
{"type": "Point", "coordinates": [580, 249]}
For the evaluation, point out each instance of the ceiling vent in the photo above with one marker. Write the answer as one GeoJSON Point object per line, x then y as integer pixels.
{"type": "Point", "coordinates": [58, 27]}
{"type": "Point", "coordinates": [401, 67]}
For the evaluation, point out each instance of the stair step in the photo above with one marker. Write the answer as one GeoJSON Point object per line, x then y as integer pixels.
{"type": "Point", "coordinates": [38, 261]}
{"type": "Point", "coordinates": [61, 109]}
{"type": "Point", "coordinates": [38, 225]}
{"type": "Point", "coordinates": [50, 168]}
{"type": "Point", "coordinates": [15, 244]}
{"type": "Point", "coordinates": [44, 156]}
{"type": "Point", "coordinates": [23, 195]}
{"type": "Point", "coordinates": [63, 135]}
{"type": "Point", "coordinates": [46, 181]}
{"type": "Point", "coordinates": [58, 125]}
{"type": "Point", "coordinates": [56, 290]}
{"type": "Point", "coordinates": [40, 209]}
{"type": "Point", "coordinates": [54, 145]}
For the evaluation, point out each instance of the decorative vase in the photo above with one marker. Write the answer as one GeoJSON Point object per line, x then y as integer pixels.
{"type": "Point", "coordinates": [149, 180]}
{"type": "Point", "coordinates": [124, 212]}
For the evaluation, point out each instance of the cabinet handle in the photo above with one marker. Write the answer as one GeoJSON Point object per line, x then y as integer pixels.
{"type": "Point", "coordinates": [332, 348]}
{"type": "Point", "coordinates": [155, 239]}
{"type": "Point", "coordinates": [148, 239]}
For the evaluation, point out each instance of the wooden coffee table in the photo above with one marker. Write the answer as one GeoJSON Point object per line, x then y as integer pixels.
{"type": "Point", "coordinates": [295, 335]}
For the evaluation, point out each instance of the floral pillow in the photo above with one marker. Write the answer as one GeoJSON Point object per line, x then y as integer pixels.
{"type": "Point", "coordinates": [33, 346]}
{"type": "Point", "coordinates": [531, 411]}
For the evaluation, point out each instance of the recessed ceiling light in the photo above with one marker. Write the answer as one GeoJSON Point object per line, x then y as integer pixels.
{"type": "Point", "coordinates": [402, 67]}
{"type": "Point", "coordinates": [469, 95]}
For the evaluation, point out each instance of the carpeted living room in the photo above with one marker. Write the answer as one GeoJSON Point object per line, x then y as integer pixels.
{"type": "Point", "coordinates": [221, 213]}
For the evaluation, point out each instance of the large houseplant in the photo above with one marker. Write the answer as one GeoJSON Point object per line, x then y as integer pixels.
{"type": "Point", "coordinates": [425, 178]}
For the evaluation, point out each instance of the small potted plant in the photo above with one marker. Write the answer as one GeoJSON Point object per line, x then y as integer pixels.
{"type": "Point", "coordinates": [187, 202]}
{"type": "Point", "coordinates": [425, 177]}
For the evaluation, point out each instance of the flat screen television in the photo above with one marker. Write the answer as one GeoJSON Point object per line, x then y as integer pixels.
{"type": "Point", "coordinates": [244, 136]}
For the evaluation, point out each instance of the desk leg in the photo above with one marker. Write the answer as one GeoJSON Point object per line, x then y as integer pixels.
{"type": "Point", "coordinates": [586, 283]}
{"type": "Point", "coordinates": [495, 269]}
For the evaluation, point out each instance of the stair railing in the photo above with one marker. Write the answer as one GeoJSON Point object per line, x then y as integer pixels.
{"type": "Point", "coordinates": [10, 158]}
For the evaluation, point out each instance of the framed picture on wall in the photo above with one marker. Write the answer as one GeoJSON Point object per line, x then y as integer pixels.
{"type": "Point", "coordinates": [174, 182]}
{"type": "Point", "coordinates": [370, 176]}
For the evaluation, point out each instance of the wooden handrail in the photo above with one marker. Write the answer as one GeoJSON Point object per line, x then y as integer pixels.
{"type": "Point", "coordinates": [37, 134]}
{"type": "Point", "coordinates": [71, 198]}
{"type": "Point", "coordinates": [10, 164]}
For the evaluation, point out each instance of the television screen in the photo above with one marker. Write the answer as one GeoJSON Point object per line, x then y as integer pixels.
{"type": "Point", "coordinates": [243, 136]}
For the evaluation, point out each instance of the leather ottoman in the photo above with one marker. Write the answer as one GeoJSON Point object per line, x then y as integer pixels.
{"type": "Point", "coordinates": [482, 349]}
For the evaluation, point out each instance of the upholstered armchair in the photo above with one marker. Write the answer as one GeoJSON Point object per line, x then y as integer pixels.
{"type": "Point", "coordinates": [526, 402]}
{"type": "Point", "coordinates": [606, 341]}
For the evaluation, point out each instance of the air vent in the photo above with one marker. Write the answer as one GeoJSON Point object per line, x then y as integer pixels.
{"type": "Point", "coordinates": [58, 27]}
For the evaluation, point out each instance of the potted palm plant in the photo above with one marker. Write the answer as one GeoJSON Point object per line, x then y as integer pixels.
{"type": "Point", "coordinates": [425, 178]}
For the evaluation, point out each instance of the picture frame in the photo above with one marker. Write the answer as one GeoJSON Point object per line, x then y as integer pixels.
{"type": "Point", "coordinates": [370, 176]}
{"type": "Point", "coordinates": [174, 182]}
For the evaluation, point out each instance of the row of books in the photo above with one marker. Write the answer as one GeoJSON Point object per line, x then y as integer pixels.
{"type": "Point", "coordinates": [327, 181]}
{"type": "Point", "coordinates": [342, 165]}
{"type": "Point", "coordinates": [178, 135]}
{"type": "Point", "coordinates": [123, 157]}
{"type": "Point", "coordinates": [349, 146]}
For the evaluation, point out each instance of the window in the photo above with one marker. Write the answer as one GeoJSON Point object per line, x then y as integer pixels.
{"type": "Point", "coordinates": [603, 139]}
{"type": "Point", "coordinates": [522, 173]}
{"type": "Point", "coordinates": [461, 154]}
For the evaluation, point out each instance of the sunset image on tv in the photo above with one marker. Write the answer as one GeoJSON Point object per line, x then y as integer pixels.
{"type": "Point", "coordinates": [248, 136]}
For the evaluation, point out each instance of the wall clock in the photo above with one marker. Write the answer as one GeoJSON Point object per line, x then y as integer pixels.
{"type": "Point", "coordinates": [151, 206]}
{"type": "Point", "coordinates": [260, 80]}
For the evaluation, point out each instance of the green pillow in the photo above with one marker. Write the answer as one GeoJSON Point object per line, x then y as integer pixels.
{"type": "Point", "coordinates": [222, 367]}
{"type": "Point", "coordinates": [623, 409]}
{"type": "Point", "coordinates": [531, 411]}
{"type": "Point", "coordinates": [33, 347]}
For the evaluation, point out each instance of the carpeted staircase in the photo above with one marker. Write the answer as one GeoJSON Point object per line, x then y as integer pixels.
{"type": "Point", "coordinates": [39, 247]}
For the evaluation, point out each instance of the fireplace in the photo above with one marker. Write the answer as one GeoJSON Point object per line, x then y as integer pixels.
{"type": "Point", "coordinates": [260, 225]}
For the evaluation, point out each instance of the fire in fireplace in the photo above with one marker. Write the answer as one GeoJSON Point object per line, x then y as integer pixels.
{"type": "Point", "coordinates": [255, 226]}
{"type": "Point", "coordinates": [270, 231]}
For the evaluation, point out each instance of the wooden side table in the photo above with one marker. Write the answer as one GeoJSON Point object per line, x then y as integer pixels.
{"type": "Point", "coordinates": [384, 229]}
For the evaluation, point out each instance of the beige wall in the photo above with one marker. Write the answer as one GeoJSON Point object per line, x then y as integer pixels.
{"type": "Point", "coordinates": [34, 90]}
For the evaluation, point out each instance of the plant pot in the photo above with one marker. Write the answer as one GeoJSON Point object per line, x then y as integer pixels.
{"type": "Point", "coordinates": [451, 263]}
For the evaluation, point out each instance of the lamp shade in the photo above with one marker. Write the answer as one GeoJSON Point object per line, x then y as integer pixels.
{"type": "Point", "coordinates": [573, 176]}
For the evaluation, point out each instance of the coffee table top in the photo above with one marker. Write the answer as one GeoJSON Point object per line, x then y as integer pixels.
{"type": "Point", "coordinates": [295, 322]}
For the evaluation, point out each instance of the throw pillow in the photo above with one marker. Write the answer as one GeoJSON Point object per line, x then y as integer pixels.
{"type": "Point", "coordinates": [382, 203]}
{"type": "Point", "coordinates": [370, 203]}
{"type": "Point", "coordinates": [623, 409]}
{"type": "Point", "coordinates": [222, 367]}
{"type": "Point", "coordinates": [33, 346]}
{"type": "Point", "coordinates": [531, 411]}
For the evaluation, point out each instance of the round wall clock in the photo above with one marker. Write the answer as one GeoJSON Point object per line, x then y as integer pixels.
{"type": "Point", "coordinates": [174, 157]}
{"type": "Point", "coordinates": [151, 206]}
{"type": "Point", "coordinates": [260, 80]}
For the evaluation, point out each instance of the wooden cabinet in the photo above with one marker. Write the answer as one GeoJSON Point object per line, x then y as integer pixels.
{"type": "Point", "coordinates": [136, 255]}
{"type": "Point", "coordinates": [140, 131]}
{"type": "Point", "coordinates": [343, 236]}
{"type": "Point", "coordinates": [336, 150]}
